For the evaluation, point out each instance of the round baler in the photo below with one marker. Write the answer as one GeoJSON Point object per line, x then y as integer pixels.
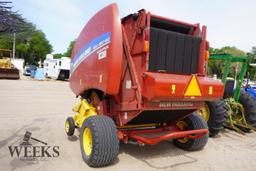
{"type": "Point", "coordinates": [140, 80]}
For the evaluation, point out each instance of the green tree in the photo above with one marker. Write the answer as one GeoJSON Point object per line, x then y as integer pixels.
{"type": "Point", "coordinates": [252, 59]}
{"type": "Point", "coordinates": [31, 44]}
{"type": "Point", "coordinates": [217, 67]}
{"type": "Point", "coordinates": [22, 50]}
{"type": "Point", "coordinates": [6, 41]}
{"type": "Point", "coordinates": [70, 48]}
{"type": "Point", "coordinates": [57, 55]}
{"type": "Point", "coordinates": [38, 47]}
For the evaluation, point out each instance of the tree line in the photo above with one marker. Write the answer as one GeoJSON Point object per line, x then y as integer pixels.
{"type": "Point", "coordinates": [68, 52]}
{"type": "Point", "coordinates": [217, 67]}
{"type": "Point", "coordinates": [32, 44]}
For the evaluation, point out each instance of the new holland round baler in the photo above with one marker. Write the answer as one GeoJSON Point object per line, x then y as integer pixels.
{"type": "Point", "coordinates": [140, 80]}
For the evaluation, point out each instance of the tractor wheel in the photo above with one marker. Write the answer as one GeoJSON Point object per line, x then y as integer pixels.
{"type": "Point", "coordinates": [192, 122]}
{"type": "Point", "coordinates": [70, 126]}
{"type": "Point", "coordinates": [214, 113]}
{"type": "Point", "coordinates": [249, 105]}
{"type": "Point", "coordinates": [99, 141]}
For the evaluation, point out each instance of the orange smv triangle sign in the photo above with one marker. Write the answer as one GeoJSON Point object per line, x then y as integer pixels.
{"type": "Point", "coordinates": [193, 88]}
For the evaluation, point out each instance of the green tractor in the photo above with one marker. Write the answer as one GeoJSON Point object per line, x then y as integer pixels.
{"type": "Point", "coordinates": [237, 109]}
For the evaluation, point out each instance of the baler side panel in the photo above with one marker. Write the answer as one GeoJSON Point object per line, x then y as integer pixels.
{"type": "Point", "coordinates": [97, 55]}
{"type": "Point", "coordinates": [126, 87]}
{"type": "Point", "coordinates": [133, 64]}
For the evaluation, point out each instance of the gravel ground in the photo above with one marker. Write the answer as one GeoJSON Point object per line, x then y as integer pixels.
{"type": "Point", "coordinates": [41, 107]}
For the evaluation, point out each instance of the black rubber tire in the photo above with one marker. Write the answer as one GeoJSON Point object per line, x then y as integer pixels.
{"type": "Point", "coordinates": [249, 105]}
{"type": "Point", "coordinates": [105, 143]}
{"type": "Point", "coordinates": [72, 126]}
{"type": "Point", "coordinates": [217, 119]}
{"type": "Point", "coordinates": [61, 76]}
{"type": "Point", "coordinates": [194, 121]}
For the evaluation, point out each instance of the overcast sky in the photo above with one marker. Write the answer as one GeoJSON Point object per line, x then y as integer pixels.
{"type": "Point", "coordinates": [229, 22]}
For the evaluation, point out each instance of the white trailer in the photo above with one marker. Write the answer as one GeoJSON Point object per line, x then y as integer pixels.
{"type": "Point", "coordinates": [18, 63]}
{"type": "Point", "coordinates": [57, 68]}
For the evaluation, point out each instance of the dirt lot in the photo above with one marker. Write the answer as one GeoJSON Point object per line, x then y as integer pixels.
{"type": "Point", "coordinates": [41, 107]}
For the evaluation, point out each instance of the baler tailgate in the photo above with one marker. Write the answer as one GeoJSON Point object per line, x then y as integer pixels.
{"type": "Point", "coordinates": [172, 49]}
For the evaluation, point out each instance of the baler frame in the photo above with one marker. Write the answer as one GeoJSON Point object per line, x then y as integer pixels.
{"type": "Point", "coordinates": [171, 133]}
{"type": "Point", "coordinates": [127, 100]}
{"type": "Point", "coordinates": [131, 133]}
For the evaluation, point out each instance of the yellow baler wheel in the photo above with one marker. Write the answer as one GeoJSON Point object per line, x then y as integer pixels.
{"type": "Point", "coordinates": [87, 141]}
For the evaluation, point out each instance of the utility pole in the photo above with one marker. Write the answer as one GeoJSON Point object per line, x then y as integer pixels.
{"type": "Point", "coordinates": [14, 44]}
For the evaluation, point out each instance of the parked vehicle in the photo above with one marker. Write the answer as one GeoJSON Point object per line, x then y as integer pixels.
{"type": "Point", "coordinates": [57, 68]}
{"type": "Point", "coordinates": [7, 69]}
{"type": "Point", "coordinates": [251, 89]}
{"type": "Point", "coordinates": [29, 69]}
{"type": "Point", "coordinates": [141, 80]}
{"type": "Point", "coordinates": [18, 63]}
{"type": "Point", "coordinates": [237, 109]}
